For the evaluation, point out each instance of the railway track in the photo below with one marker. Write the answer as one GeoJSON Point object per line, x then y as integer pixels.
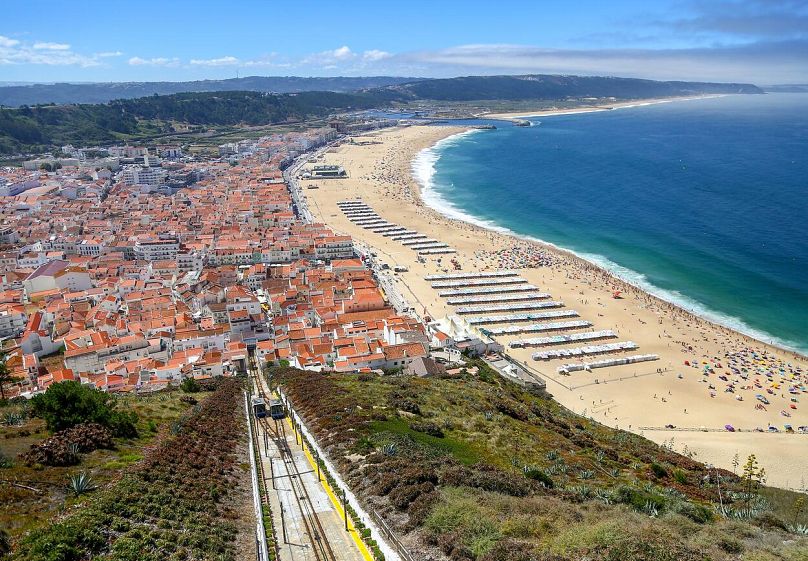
{"type": "Point", "coordinates": [318, 539]}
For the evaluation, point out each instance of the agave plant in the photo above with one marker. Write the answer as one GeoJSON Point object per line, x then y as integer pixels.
{"type": "Point", "coordinates": [13, 419]}
{"type": "Point", "coordinates": [552, 455]}
{"type": "Point", "coordinates": [81, 483]}
{"type": "Point", "coordinates": [651, 509]}
{"type": "Point", "coordinates": [614, 472]}
{"type": "Point", "coordinates": [600, 455]}
{"type": "Point", "coordinates": [746, 512]}
{"type": "Point", "coordinates": [586, 474]}
{"type": "Point", "coordinates": [604, 496]}
{"type": "Point", "coordinates": [801, 529]}
{"type": "Point", "coordinates": [583, 492]}
{"type": "Point", "coordinates": [390, 449]}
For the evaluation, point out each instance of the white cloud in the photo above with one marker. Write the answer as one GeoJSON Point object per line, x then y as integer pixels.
{"type": "Point", "coordinates": [108, 54]}
{"type": "Point", "coordinates": [157, 61]}
{"type": "Point", "coordinates": [221, 61]}
{"type": "Point", "coordinates": [328, 59]}
{"type": "Point", "coordinates": [46, 46]}
{"type": "Point", "coordinates": [761, 62]}
{"type": "Point", "coordinates": [47, 53]}
{"type": "Point", "coordinates": [342, 53]}
{"type": "Point", "coordinates": [8, 42]}
{"type": "Point", "coordinates": [374, 54]}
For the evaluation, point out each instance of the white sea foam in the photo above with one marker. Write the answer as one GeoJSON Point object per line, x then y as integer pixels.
{"type": "Point", "coordinates": [423, 169]}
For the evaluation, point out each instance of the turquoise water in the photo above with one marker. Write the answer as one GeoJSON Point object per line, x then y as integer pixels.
{"type": "Point", "coordinates": [702, 202]}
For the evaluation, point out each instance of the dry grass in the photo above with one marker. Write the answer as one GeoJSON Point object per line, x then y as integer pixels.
{"type": "Point", "coordinates": [590, 492]}
{"type": "Point", "coordinates": [22, 510]}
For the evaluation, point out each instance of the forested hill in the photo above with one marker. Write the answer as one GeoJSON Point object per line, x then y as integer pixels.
{"type": "Point", "coordinates": [64, 93]}
{"type": "Point", "coordinates": [547, 87]}
{"type": "Point", "coordinates": [40, 128]}
{"type": "Point", "coordinates": [536, 86]}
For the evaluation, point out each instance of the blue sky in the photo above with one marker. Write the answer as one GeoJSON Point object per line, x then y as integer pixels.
{"type": "Point", "coordinates": [762, 41]}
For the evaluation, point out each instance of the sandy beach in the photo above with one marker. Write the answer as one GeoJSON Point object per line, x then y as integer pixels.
{"type": "Point", "coordinates": [644, 397]}
{"type": "Point", "coordinates": [591, 108]}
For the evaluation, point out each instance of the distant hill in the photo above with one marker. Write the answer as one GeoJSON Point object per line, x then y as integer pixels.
{"type": "Point", "coordinates": [787, 88]}
{"type": "Point", "coordinates": [40, 128]}
{"type": "Point", "coordinates": [543, 86]}
{"type": "Point", "coordinates": [64, 93]}
{"type": "Point", "coordinates": [467, 88]}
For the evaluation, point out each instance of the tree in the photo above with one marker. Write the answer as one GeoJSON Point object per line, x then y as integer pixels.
{"type": "Point", "coordinates": [5, 375]}
{"type": "Point", "coordinates": [70, 403]}
{"type": "Point", "coordinates": [753, 476]}
{"type": "Point", "coordinates": [190, 385]}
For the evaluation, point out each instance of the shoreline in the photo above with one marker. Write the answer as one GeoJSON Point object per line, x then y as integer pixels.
{"type": "Point", "coordinates": [639, 398]}
{"type": "Point", "coordinates": [510, 115]}
{"type": "Point", "coordinates": [446, 208]}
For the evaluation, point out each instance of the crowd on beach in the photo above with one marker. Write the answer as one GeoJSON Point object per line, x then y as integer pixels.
{"type": "Point", "coordinates": [515, 257]}
{"type": "Point", "coordinates": [696, 338]}
{"type": "Point", "coordinates": [762, 378]}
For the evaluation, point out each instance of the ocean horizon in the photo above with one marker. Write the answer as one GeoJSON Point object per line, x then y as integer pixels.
{"type": "Point", "coordinates": [700, 202]}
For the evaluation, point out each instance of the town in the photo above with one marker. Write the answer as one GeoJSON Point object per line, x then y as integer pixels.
{"type": "Point", "coordinates": [132, 268]}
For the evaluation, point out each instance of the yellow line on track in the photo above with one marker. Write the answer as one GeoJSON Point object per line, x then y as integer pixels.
{"type": "Point", "coordinates": [336, 502]}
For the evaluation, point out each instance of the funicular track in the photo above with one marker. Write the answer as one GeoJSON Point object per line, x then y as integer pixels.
{"type": "Point", "coordinates": [276, 431]}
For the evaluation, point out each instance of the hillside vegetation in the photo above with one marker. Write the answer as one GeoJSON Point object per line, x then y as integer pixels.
{"type": "Point", "coordinates": [44, 127]}
{"type": "Point", "coordinates": [473, 468]}
{"type": "Point", "coordinates": [188, 498]}
{"type": "Point", "coordinates": [36, 465]}
{"type": "Point", "coordinates": [103, 92]}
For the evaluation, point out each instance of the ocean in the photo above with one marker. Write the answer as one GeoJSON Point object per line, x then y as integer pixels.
{"type": "Point", "coordinates": [703, 202]}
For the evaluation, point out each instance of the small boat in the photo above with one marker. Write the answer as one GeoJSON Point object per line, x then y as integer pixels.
{"type": "Point", "coordinates": [729, 428]}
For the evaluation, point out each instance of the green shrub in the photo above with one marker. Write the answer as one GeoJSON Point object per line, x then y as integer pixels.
{"type": "Point", "coordinates": [638, 498]}
{"type": "Point", "coordinates": [190, 385]}
{"type": "Point", "coordinates": [67, 404]}
{"type": "Point", "coordinates": [461, 515]}
{"type": "Point", "coordinates": [538, 475]}
{"type": "Point", "coordinates": [658, 470]}
{"type": "Point", "coordinates": [5, 543]}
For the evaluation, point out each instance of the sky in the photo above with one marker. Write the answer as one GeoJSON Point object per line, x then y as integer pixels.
{"type": "Point", "coordinates": [759, 41]}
